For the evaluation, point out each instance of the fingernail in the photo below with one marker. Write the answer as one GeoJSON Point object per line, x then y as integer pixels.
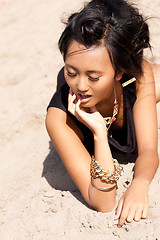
{"type": "Point", "coordinates": [115, 217]}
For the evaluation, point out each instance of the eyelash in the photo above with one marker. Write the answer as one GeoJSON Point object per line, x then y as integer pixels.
{"type": "Point", "coordinates": [93, 79]}
{"type": "Point", "coordinates": [74, 74]}
{"type": "Point", "coordinates": [71, 74]}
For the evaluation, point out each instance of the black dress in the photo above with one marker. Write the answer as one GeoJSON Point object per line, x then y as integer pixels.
{"type": "Point", "coordinates": [122, 142]}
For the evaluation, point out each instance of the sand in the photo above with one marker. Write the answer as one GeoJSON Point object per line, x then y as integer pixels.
{"type": "Point", "coordinates": [38, 200]}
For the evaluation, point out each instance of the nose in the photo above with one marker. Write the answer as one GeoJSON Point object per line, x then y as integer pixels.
{"type": "Point", "coordinates": [82, 84]}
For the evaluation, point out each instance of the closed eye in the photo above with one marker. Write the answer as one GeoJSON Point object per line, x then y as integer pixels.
{"type": "Point", "coordinates": [71, 74]}
{"type": "Point", "coordinates": [93, 79]}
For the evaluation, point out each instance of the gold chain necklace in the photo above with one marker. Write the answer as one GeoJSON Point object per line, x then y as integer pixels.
{"type": "Point", "coordinates": [110, 120]}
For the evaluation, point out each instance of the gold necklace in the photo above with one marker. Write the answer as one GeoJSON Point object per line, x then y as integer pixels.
{"type": "Point", "coordinates": [110, 120]}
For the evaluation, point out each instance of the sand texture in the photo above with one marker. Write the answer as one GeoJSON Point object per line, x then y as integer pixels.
{"type": "Point", "coordinates": [38, 200]}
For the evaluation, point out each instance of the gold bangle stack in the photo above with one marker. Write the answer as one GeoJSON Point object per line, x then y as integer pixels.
{"type": "Point", "coordinates": [106, 176]}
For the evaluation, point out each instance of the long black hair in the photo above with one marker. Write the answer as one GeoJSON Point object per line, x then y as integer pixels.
{"type": "Point", "coordinates": [114, 23]}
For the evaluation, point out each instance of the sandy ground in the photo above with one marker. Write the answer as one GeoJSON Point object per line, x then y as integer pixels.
{"type": "Point", "coordinates": [38, 200]}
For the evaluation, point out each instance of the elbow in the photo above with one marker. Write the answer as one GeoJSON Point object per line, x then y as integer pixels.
{"type": "Point", "coordinates": [104, 209]}
{"type": "Point", "coordinates": [103, 206]}
{"type": "Point", "coordinates": [103, 202]}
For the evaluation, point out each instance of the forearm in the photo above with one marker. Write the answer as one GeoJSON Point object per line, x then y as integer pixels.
{"type": "Point", "coordinates": [102, 201]}
{"type": "Point", "coordinates": [146, 166]}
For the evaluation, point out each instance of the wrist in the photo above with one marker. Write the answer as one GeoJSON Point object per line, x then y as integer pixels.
{"type": "Point", "coordinates": [100, 133]}
{"type": "Point", "coordinates": [141, 181]}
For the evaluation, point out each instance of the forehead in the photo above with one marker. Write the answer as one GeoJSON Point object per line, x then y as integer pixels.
{"type": "Point", "coordinates": [95, 55]}
{"type": "Point", "coordinates": [77, 48]}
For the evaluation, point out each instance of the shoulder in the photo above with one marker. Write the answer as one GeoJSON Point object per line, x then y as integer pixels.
{"type": "Point", "coordinates": [145, 84]}
{"type": "Point", "coordinates": [147, 75]}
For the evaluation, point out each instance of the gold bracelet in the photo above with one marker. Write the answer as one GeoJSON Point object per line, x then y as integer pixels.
{"type": "Point", "coordinates": [106, 176]}
{"type": "Point", "coordinates": [105, 189]}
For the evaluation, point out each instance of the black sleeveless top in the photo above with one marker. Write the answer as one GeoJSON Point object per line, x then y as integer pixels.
{"type": "Point", "coordinates": [122, 142]}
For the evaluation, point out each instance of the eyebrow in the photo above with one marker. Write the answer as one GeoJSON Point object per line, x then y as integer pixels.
{"type": "Point", "coordinates": [90, 71]}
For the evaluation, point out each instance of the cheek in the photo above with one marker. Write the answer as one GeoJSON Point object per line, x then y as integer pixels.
{"type": "Point", "coordinates": [71, 83]}
{"type": "Point", "coordinates": [67, 80]}
{"type": "Point", "coordinates": [105, 86]}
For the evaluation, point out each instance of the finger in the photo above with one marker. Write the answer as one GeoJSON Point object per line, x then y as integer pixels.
{"type": "Point", "coordinates": [70, 93]}
{"type": "Point", "coordinates": [145, 212]}
{"type": "Point", "coordinates": [73, 98]}
{"type": "Point", "coordinates": [131, 215]}
{"type": "Point", "coordinates": [119, 209]}
{"type": "Point", "coordinates": [79, 112]}
{"type": "Point", "coordinates": [123, 216]}
{"type": "Point", "coordinates": [138, 215]}
{"type": "Point", "coordinates": [77, 106]}
{"type": "Point", "coordinates": [71, 105]}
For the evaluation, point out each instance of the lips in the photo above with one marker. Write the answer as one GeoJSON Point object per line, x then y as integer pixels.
{"type": "Point", "coordinates": [80, 96]}
{"type": "Point", "coordinates": [84, 98]}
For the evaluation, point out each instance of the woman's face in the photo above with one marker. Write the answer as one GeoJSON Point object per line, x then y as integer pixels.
{"type": "Point", "coordinates": [89, 73]}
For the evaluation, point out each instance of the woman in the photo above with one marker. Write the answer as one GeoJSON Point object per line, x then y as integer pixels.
{"type": "Point", "coordinates": [105, 106]}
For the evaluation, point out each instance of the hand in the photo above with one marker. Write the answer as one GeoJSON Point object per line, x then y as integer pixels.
{"type": "Point", "coordinates": [133, 205]}
{"type": "Point", "coordinates": [93, 119]}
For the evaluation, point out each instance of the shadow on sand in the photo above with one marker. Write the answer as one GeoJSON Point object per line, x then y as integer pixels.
{"type": "Point", "coordinates": [57, 176]}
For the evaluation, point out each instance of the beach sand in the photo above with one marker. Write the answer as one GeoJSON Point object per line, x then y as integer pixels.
{"type": "Point", "coordinates": [38, 200]}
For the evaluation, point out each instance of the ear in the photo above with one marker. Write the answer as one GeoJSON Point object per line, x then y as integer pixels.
{"type": "Point", "coordinates": [118, 76]}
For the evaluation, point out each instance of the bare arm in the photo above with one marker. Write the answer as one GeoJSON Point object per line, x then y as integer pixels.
{"type": "Point", "coordinates": [145, 118]}
{"type": "Point", "coordinates": [134, 203]}
{"type": "Point", "coordinates": [66, 137]}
